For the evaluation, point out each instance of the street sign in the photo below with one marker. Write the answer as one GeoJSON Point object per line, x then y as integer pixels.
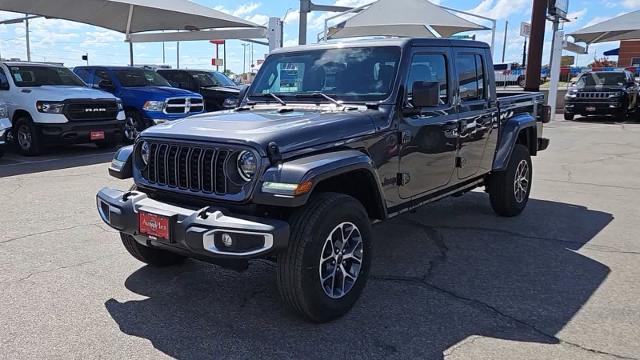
{"type": "Point", "coordinates": [574, 48]}
{"type": "Point", "coordinates": [217, 62]}
{"type": "Point", "coordinates": [525, 29]}
{"type": "Point", "coordinates": [568, 60]}
{"type": "Point", "coordinates": [559, 8]}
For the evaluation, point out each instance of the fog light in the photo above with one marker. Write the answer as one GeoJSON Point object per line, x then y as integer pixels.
{"type": "Point", "coordinates": [227, 240]}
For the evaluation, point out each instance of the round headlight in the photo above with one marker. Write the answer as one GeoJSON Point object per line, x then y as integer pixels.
{"type": "Point", "coordinates": [247, 165]}
{"type": "Point", "coordinates": [144, 153]}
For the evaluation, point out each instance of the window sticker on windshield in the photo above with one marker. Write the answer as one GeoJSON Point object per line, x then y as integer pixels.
{"type": "Point", "coordinates": [18, 77]}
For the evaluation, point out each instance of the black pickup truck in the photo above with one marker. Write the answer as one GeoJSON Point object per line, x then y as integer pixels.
{"type": "Point", "coordinates": [602, 93]}
{"type": "Point", "coordinates": [218, 91]}
{"type": "Point", "coordinates": [329, 139]}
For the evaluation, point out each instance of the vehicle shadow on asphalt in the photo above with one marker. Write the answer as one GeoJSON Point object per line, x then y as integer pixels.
{"type": "Point", "coordinates": [606, 120]}
{"type": "Point", "coordinates": [54, 158]}
{"type": "Point", "coordinates": [441, 276]}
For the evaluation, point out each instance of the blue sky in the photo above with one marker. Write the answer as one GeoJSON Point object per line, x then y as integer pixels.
{"type": "Point", "coordinates": [63, 41]}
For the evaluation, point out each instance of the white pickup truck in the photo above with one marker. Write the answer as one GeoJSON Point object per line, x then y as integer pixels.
{"type": "Point", "coordinates": [48, 104]}
{"type": "Point", "coordinates": [5, 126]}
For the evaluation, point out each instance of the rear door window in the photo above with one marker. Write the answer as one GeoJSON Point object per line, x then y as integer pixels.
{"type": "Point", "coordinates": [471, 77]}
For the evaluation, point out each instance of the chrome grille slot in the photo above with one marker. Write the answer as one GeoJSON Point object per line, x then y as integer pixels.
{"type": "Point", "coordinates": [161, 165]}
{"type": "Point", "coordinates": [207, 170]}
{"type": "Point", "coordinates": [172, 166]}
{"type": "Point", "coordinates": [195, 169]}
{"type": "Point", "coordinates": [220, 175]}
{"type": "Point", "coordinates": [153, 150]}
{"type": "Point", "coordinates": [183, 181]}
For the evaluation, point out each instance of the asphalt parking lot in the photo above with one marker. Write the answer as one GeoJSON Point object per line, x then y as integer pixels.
{"type": "Point", "coordinates": [451, 280]}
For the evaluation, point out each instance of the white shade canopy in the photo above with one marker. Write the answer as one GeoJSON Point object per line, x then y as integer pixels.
{"type": "Point", "coordinates": [624, 27]}
{"type": "Point", "coordinates": [130, 16]}
{"type": "Point", "coordinates": [407, 18]}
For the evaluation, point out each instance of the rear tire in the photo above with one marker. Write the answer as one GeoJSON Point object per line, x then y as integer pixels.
{"type": "Point", "coordinates": [151, 256]}
{"type": "Point", "coordinates": [569, 117]}
{"type": "Point", "coordinates": [27, 137]}
{"type": "Point", "coordinates": [509, 190]}
{"type": "Point", "coordinates": [330, 240]}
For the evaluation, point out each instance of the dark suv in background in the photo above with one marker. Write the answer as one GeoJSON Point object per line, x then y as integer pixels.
{"type": "Point", "coordinates": [218, 91]}
{"type": "Point", "coordinates": [602, 93]}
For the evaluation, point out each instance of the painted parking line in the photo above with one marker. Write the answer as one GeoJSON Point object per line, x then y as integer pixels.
{"type": "Point", "coordinates": [30, 162]}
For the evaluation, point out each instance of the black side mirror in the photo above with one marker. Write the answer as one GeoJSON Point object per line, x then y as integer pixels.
{"type": "Point", "coordinates": [106, 85]}
{"type": "Point", "coordinates": [425, 94]}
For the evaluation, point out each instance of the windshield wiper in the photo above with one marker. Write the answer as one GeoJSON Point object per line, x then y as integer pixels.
{"type": "Point", "coordinates": [274, 96]}
{"type": "Point", "coordinates": [322, 95]}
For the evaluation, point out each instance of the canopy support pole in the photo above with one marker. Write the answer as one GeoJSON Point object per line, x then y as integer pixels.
{"type": "Point", "coordinates": [128, 32]}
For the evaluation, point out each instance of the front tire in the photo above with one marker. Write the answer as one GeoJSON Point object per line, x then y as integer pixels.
{"type": "Point", "coordinates": [151, 256]}
{"type": "Point", "coordinates": [325, 267]}
{"type": "Point", "coordinates": [509, 190]}
{"type": "Point", "coordinates": [134, 124]}
{"type": "Point", "coordinates": [27, 137]}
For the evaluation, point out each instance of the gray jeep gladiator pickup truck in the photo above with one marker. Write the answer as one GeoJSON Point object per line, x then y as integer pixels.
{"type": "Point", "coordinates": [329, 139]}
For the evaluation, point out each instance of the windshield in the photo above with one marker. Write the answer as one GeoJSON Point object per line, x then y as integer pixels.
{"type": "Point", "coordinates": [222, 79]}
{"type": "Point", "coordinates": [26, 76]}
{"type": "Point", "coordinates": [140, 78]}
{"type": "Point", "coordinates": [602, 79]}
{"type": "Point", "coordinates": [349, 74]}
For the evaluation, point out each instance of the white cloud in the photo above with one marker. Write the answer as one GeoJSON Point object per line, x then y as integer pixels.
{"type": "Point", "coordinates": [631, 4]}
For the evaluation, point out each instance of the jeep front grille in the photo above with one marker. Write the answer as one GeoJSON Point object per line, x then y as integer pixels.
{"type": "Point", "coordinates": [196, 169]}
{"type": "Point", "coordinates": [595, 95]}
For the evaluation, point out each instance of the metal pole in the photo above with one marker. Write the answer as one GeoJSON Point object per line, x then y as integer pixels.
{"type": "Point", "coordinates": [164, 60]}
{"type": "Point", "coordinates": [26, 23]}
{"type": "Point", "coordinates": [224, 60]}
{"type": "Point", "coordinates": [217, 56]}
{"type": "Point", "coordinates": [302, 32]}
{"type": "Point", "coordinates": [493, 38]}
{"type": "Point", "coordinates": [130, 53]}
{"type": "Point", "coordinates": [556, 58]}
{"type": "Point", "coordinates": [504, 45]}
{"type": "Point", "coordinates": [178, 55]}
{"type": "Point", "coordinates": [524, 53]}
{"type": "Point", "coordinates": [536, 45]}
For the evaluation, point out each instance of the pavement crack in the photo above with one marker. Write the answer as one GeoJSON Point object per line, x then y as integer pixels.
{"type": "Point", "coordinates": [434, 235]}
{"type": "Point", "coordinates": [592, 184]}
{"type": "Point", "coordinates": [47, 232]}
{"type": "Point", "coordinates": [30, 275]}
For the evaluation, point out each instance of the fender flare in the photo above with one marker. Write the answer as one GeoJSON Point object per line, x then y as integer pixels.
{"type": "Point", "coordinates": [314, 168]}
{"type": "Point", "coordinates": [511, 129]}
{"type": "Point", "coordinates": [122, 164]}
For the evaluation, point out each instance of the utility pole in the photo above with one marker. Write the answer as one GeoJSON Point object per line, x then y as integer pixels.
{"type": "Point", "coordinates": [536, 45]}
{"type": "Point", "coordinates": [178, 55]}
{"type": "Point", "coordinates": [306, 6]}
{"type": "Point", "coordinates": [504, 44]}
{"type": "Point", "coordinates": [26, 24]}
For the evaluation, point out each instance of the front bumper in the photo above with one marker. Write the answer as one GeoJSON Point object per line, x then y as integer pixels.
{"type": "Point", "coordinates": [79, 132]}
{"type": "Point", "coordinates": [594, 107]}
{"type": "Point", "coordinates": [5, 125]}
{"type": "Point", "coordinates": [193, 232]}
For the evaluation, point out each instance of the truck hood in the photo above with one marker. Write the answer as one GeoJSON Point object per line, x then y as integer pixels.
{"type": "Point", "coordinates": [159, 92]}
{"type": "Point", "coordinates": [222, 89]}
{"type": "Point", "coordinates": [595, 88]}
{"type": "Point", "coordinates": [291, 130]}
{"type": "Point", "coordinates": [61, 93]}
